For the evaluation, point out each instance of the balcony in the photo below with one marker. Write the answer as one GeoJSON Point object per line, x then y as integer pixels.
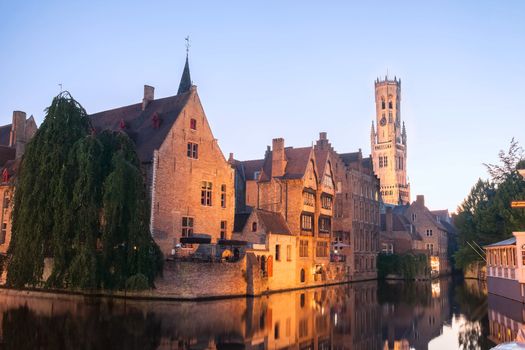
{"type": "Point", "coordinates": [502, 272]}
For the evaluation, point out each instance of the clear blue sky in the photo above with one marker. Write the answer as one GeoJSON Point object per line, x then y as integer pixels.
{"type": "Point", "coordinates": [289, 69]}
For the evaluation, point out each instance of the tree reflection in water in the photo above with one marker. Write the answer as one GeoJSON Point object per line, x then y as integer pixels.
{"type": "Point", "coordinates": [356, 316]}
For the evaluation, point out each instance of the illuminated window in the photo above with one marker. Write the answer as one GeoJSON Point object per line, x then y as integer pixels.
{"type": "Point", "coordinates": [206, 188]}
{"type": "Point", "coordinates": [309, 198]}
{"type": "Point", "coordinates": [303, 249]}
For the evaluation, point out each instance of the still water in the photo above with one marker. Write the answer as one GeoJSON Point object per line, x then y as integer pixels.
{"type": "Point", "coordinates": [444, 314]}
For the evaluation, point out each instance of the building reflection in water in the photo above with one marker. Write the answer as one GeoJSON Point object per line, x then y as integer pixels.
{"type": "Point", "coordinates": [354, 316]}
{"type": "Point", "coordinates": [506, 319]}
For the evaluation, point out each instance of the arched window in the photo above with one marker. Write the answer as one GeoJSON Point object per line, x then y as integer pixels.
{"type": "Point", "coordinates": [193, 124]}
{"type": "Point", "coordinates": [390, 104]}
{"type": "Point", "coordinates": [254, 226]}
{"type": "Point", "coordinates": [382, 103]}
{"type": "Point", "coordinates": [303, 276]}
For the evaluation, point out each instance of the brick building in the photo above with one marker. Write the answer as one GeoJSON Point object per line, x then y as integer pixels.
{"type": "Point", "coordinates": [190, 182]}
{"type": "Point", "coordinates": [295, 184]}
{"type": "Point", "coordinates": [398, 235]}
{"type": "Point", "coordinates": [13, 139]}
{"type": "Point", "coordinates": [356, 212]}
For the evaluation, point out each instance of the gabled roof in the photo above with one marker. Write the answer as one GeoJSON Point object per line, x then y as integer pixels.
{"type": "Point", "coordinates": [249, 167]}
{"type": "Point", "coordinates": [510, 241]}
{"type": "Point", "coordinates": [440, 213]}
{"type": "Point", "coordinates": [349, 158]}
{"type": "Point", "coordinates": [321, 158]}
{"type": "Point", "coordinates": [6, 153]}
{"type": "Point", "coordinates": [139, 123]}
{"type": "Point", "coordinates": [296, 163]}
{"type": "Point", "coordinates": [273, 222]}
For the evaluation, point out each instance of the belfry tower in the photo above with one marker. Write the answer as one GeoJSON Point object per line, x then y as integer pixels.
{"type": "Point", "coordinates": [389, 143]}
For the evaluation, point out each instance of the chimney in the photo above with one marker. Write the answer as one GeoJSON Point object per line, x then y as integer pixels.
{"type": "Point", "coordinates": [149, 93]}
{"type": "Point", "coordinates": [278, 157]}
{"type": "Point", "coordinates": [322, 135]}
{"type": "Point", "coordinates": [420, 199]}
{"type": "Point", "coordinates": [17, 137]}
{"type": "Point", "coordinates": [389, 220]}
{"type": "Point", "coordinates": [230, 158]}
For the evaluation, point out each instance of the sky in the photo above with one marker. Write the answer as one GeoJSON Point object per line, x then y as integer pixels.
{"type": "Point", "coordinates": [291, 69]}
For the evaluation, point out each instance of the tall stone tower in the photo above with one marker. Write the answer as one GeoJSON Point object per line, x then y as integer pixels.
{"type": "Point", "coordinates": [389, 143]}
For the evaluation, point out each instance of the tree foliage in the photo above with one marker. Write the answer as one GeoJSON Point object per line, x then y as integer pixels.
{"type": "Point", "coordinates": [408, 266]}
{"type": "Point", "coordinates": [80, 199]}
{"type": "Point", "coordinates": [486, 216]}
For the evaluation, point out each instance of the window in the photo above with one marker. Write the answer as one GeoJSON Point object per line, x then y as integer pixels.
{"type": "Point", "coordinates": [414, 216]}
{"type": "Point", "coordinates": [309, 198]}
{"type": "Point", "coordinates": [187, 226]}
{"type": "Point", "coordinates": [523, 257]}
{"type": "Point", "coordinates": [429, 233]}
{"type": "Point", "coordinates": [303, 249]}
{"type": "Point", "coordinates": [382, 104]}
{"type": "Point", "coordinates": [206, 188]}
{"type": "Point", "coordinates": [387, 248]}
{"type": "Point", "coordinates": [303, 279]}
{"type": "Point", "coordinates": [193, 124]}
{"type": "Point", "coordinates": [278, 252]}
{"type": "Point", "coordinates": [326, 202]}
{"type": "Point", "coordinates": [390, 104]}
{"type": "Point", "coordinates": [307, 222]}
{"type": "Point", "coordinates": [254, 226]}
{"type": "Point", "coordinates": [256, 175]}
{"type": "Point", "coordinates": [430, 248]}
{"type": "Point", "coordinates": [385, 161]}
{"type": "Point", "coordinates": [3, 233]}
{"type": "Point", "coordinates": [223, 196]}
{"type": "Point", "coordinates": [193, 150]}
{"type": "Point", "coordinates": [6, 201]}
{"type": "Point", "coordinates": [321, 250]}
{"type": "Point", "coordinates": [324, 224]}
{"type": "Point", "coordinates": [224, 225]}
{"type": "Point", "coordinates": [288, 253]}
{"type": "Point", "coordinates": [276, 331]}
{"type": "Point", "coordinates": [380, 161]}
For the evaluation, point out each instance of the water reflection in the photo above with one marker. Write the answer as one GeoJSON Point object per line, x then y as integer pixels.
{"type": "Point", "coordinates": [363, 315]}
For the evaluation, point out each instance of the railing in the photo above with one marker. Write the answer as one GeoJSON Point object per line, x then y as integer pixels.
{"type": "Point", "coordinates": [502, 272]}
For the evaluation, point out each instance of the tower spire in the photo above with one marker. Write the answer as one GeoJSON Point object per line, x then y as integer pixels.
{"type": "Point", "coordinates": [185, 80]}
{"type": "Point", "coordinates": [372, 133]}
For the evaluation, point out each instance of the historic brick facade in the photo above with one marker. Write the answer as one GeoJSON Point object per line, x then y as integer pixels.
{"type": "Point", "coordinates": [13, 139]}
{"type": "Point", "coordinates": [389, 143]}
{"type": "Point", "coordinates": [292, 182]}
{"type": "Point", "coordinates": [190, 182]}
{"type": "Point", "coordinates": [356, 211]}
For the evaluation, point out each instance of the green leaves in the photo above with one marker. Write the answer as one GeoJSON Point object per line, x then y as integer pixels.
{"type": "Point", "coordinates": [485, 216]}
{"type": "Point", "coordinates": [81, 200]}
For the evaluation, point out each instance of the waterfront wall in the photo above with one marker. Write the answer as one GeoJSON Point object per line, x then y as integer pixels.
{"type": "Point", "coordinates": [505, 287]}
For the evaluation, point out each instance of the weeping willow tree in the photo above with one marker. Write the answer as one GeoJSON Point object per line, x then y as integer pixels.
{"type": "Point", "coordinates": [84, 204]}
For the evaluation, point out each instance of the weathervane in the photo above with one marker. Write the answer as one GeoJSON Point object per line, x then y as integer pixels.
{"type": "Point", "coordinates": [187, 44]}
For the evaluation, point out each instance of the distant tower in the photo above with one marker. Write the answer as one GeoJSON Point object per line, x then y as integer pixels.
{"type": "Point", "coordinates": [388, 143]}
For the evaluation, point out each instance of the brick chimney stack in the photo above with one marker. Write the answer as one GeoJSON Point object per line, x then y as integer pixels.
{"type": "Point", "coordinates": [17, 138]}
{"type": "Point", "coordinates": [149, 95]}
{"type": "Point", "coordinates": [420, 199]}
{"type": "Point", "coordinates": [278, 157]}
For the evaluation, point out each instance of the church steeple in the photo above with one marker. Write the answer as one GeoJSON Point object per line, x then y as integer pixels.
{"type": "Point", "coordinates": [185, 80]}
{"type": "Point", "coordinates": [372, 134]}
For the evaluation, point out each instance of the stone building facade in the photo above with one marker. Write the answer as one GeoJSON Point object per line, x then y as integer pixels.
{"type": "Point", "coordinates": [13, 139]}
{"type": "Point", "coordinates": [356, 211]}
{"type": "Point", "coordinates": [191, 184]}
{"type": "Point", "coordinates": [398, 235]}
{"type": "Point", "coordinates": [295, 184]}
{"type": "Point", "coordinates": [389, 143]}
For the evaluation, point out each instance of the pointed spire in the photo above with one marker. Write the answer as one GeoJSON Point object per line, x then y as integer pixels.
{"type": "Point", "coordinates": [372, 133]}
{"type": "Point", "coordinates": [404, 134]}
{"type": "Point", "coordinates": [185, 80]}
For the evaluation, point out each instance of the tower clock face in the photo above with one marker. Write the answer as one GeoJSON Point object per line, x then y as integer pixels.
{"type": "Point", "coordinates": [383, 121]}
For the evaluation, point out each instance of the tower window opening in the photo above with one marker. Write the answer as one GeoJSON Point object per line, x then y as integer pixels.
{"type": "Point", "coordinates": [389, 104]}
{"type": "Point", "coordinates": [382, 104]}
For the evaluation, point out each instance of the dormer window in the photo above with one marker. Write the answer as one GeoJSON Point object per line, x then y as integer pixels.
{"type": "Point", "coordinates": [193, 124]}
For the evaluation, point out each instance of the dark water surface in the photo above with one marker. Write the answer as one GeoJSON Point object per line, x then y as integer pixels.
{"type": "Point", "coordinates": [444, 314]}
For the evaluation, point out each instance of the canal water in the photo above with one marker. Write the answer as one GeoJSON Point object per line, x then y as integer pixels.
{"type": "Point", "coordinates": [443, 314]}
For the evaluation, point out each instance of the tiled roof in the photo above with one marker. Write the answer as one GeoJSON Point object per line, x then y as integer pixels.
{"type": "Point", "coordinates": [296, 163]}
{"type": "Point", "coordinates": [249, 167]}
{"type": "Point", "coordinates": [510, 241]}
{"type": "Point", "coordinates": [139, 124]}
{"type": "Point", "coordinates": [440, 213]}
{"type": "Point", "coordinates": [273, 222]}
{"type": "Point", "coordinates": [6, 153]}
{"type": "Point", "coordinates": [5, 134]}
{"type": "Point", "coordinates": [240, 221]}
{"type": "Point", "coordinates": [348, 158]}
{"type": "Point", "coordinates": [321, 156]}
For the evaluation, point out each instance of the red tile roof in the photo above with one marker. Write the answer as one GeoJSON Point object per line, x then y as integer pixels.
{"type": "Point", "coordinates": [139, 125]}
